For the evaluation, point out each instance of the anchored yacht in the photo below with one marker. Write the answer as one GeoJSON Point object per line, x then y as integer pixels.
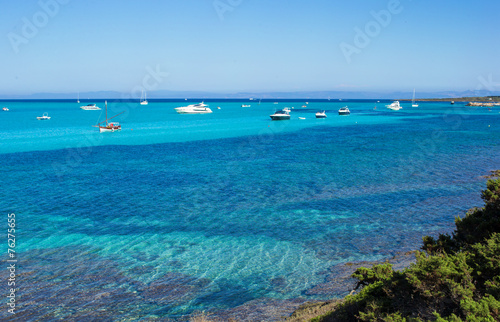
{"type": "Point", "coordinates": [199, 108]}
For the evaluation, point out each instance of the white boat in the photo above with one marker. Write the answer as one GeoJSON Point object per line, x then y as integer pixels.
{"type": "Point", "coordinates": [245, 105]}
{"type": "Point", "coordinates": [90, 107]}
{"type": "Point", "coordinates": [109, 126]}
{"type": "Point", "coordinates": [394, 106]}
{"type": "Point", "coordinates": [5, 109]}
{"type": "Point", "coordinates": [144, 101]}
{"type": "Point", "coordinates": [199, 108]}
{"type": "Point", "coordinates": [78, 98]}
{"type": "Point", "coordinates": [287, 109]}
{"type": "Point", "coordinates": [413, 104]}
{"type": "Point", "coordinates": [344, 111]}
{"type": "Point", "coordinates": [44, 117]}
{"type": "Point", "coordinates": [302, 118]}
{"type": "Point", "coordinates": [280, 115]}
{"type": "Point", "coordinates": [321, 115]}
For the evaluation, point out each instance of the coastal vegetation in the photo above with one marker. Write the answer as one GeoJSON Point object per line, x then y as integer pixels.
{"type": "Point", "coordinates": [455, 277]}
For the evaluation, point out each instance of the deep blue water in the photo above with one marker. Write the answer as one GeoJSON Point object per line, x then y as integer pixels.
{"type": "Point", "coordinates": [229, 211]}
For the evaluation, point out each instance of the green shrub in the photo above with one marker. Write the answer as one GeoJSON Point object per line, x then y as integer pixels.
{"type": "Point", "coordinates": [456, 278]}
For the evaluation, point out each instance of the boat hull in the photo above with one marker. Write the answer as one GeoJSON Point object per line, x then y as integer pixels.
{"type": "Point", "coordinates": [109, 128]}
{"type": "Point", "coordinates": [320, 116]}
{"type": "Point", "coordinates": [280, 117]}
{"type": "Point", "coordinates": [344, 113]}
{"type": "Point", "coordinates": [91, 108]}
{"type": "Point", "coordinates": [183, 111]}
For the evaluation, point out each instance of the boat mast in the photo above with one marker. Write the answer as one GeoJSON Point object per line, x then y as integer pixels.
{"type": "Point", "coordinates": [106, 105]}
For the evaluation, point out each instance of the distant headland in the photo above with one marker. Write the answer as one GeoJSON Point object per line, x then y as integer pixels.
{"type": "Point", "coordinates": [472, 101]}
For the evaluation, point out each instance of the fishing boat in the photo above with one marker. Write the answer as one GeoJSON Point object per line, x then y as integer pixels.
{"type": "Point", "coordinates": [321, 115]}
{"type": "Point", "coordinates": [90, 107]}
{"type": "Point", "coordinates": [413, 104]}
{"type": "Point", "coordinates": [280, 115]}
{"type": "Point", "coordinates": [394, 106]}
{"type": "Point", "coordinates": [144, 101]}
{"type": "Point", "coordinates": [109, 126]}
{"type": "Point", "coordinates": [44, 117]}
{"type": "Point", "coordinates": [344, 111]}
{"type": "Point", "coordinates": [199, 108]}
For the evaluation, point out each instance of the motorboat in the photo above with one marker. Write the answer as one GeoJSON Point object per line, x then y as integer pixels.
{"type": "Point", "coordinates": [245, 105]}
{"type": "Point", "coordinates": [344, 111]}
{"type": "Point", "coordinates": [394, 106]}
{"type": "Point", "coordinates": [90, 107]}
{"type": "Point", "coordinates": [199, 108]}
{"type": "Point", "coordinates": [321, 115]}
{"type": "Point", "coordinates": [280, 115]}
{"type": "Point", "coordinates": [44, 117]}
{"type": "Point", "coordinates": [287, 109]}
{"type": "Point", "coordinates": [5, 109]}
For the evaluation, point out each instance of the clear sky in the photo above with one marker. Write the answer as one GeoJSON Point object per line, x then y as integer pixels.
{"type": "Point", "coordinates": [65, 46]}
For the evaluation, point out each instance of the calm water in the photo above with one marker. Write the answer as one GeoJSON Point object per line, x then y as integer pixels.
{"type": "Point", "coordinates": [229, 212]}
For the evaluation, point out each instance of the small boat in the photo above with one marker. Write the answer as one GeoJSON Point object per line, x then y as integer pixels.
{"type": "Point", "coordinates": [5, 109]}
{"type": "Point", "coordinates": [275, 102]}
{"type": "Point", "coordinates": [199, 108]}
{"type": "Point", "coordinates": [302, 118]}
{"type": "Point", "coordinates": [44, 117]}
{"type": "Point", "coordinates": [452, 102]}
{"type": "Point", "coordinates": [90, 107]}
{"type": "Point", "coordinates": [78, 98]}
{"type": "Point", "coordinates": [344, 111]}
{"type": "Point", "coordinates": [280, 115]}
{"type": "Point", "coordinates": [144, 101]}
{"type": "Point", "coordinates": [245, 105]}
{"type": "Point", "coordinates": [287, 109]}
{"type": "Point", "coordinates": [394, 106]}
{"type": "Point", "coordinates": [321, 115]}
{"type": "Point", "coordinates": [109, 126]}
{"type": "Point", "coordinates": [413, 104]}
{"type": "Point", "coordinates": [304, 105]}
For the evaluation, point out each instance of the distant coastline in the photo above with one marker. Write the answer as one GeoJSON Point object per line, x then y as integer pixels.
{"type": "Point", "coordinates": [478, 99]}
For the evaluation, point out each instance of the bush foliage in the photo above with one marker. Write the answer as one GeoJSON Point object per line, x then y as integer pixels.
{"type": "Point", "coordinates": [455, 277]}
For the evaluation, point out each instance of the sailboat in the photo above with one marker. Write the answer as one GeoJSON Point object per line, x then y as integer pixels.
{"type": "Point", "coordinates": [109, 127]}
{"type": "Point", "coordinates": [413, 104]}
{"type": "Point", "coordinates": [78, 99]}
{"type": "Point", "coordinates": [144, 101]}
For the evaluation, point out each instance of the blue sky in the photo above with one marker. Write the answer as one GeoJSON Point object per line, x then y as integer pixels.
{"type": "Point", "coordinates": [248, 45]}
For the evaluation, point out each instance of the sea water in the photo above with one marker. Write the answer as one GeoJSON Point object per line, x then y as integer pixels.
{"type": "Point", "coordinates": [228, 212]}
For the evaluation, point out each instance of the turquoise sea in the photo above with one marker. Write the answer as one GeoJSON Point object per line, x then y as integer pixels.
{"type": "Point", "coordinates": [228, 213]}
